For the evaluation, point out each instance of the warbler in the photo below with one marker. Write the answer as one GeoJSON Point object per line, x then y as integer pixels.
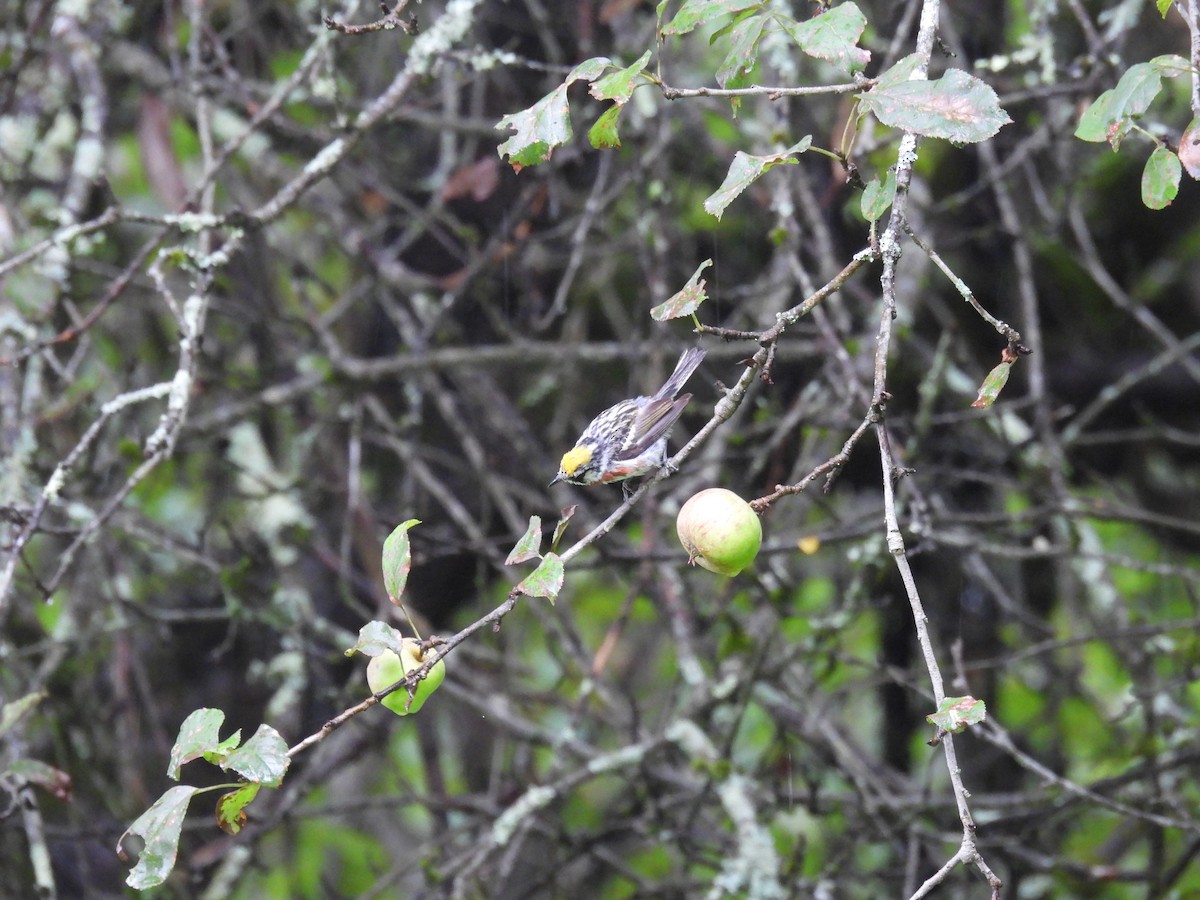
{"type": "Point", "coordinates": [630, 437]}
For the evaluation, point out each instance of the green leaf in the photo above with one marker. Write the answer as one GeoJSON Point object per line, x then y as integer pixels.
{"type": "Point", "coordinates": [992, 386]}
{"type": "Point", "coordinates": [53, 781]}
{"type": "Point", "coordinates": [375, 637]}
{"type": "Point", "coordinates": [1111, 115]}
{"type": "Point", "coordinates": [1160, 178]}
{"type": "Point", "coordinates": [603, 134]}
{"type": "Point", "coordinates": [545, 581]}
{"type": "Point", "coordinates": [900, 73]}
{"type": "Point", "coordinates": [563, 518]}
{"type": "Point", "coordinates": [11, 713]}
{"type": "Point", "coordinates": [397, 560]}
{"type": "Point", "coordinates": [262, 759]}
{"type": "Point", "coordinates": [546, 124]}
{"type": "Point", "coordinates": [954, 714]}
{"type": "Point", "coordinates": [619, 85]}
{"type": "Point", "coordinates": [742, 54]}
{"type": "Point", "coordinates": [530, 544]}
{"type": "Point", "coordinates": [1164, 7]}
{"type": "Point", "coordinates": [745, 170]}
{"type": "Point", "coordinates": [695, 13]}
{"type": "Point", "coordinates": [686, 301]}
{"type": "Point", "coordinates": [198, 736]}
{"type": "Point", "coordinates": [833, 36]}
{"type": "Point", "coordinates": [876, 197]}
{"type": "Point", "coordinates": [159, 827]}
{"type": "Point", "coordinates": [957, 107]}
{"type": "Point", "coordinates": [1171, 65]}
{"type": "Point", "coordinates": [231, 816]}
{"type": "Point", "coordinates": [1096, 119]}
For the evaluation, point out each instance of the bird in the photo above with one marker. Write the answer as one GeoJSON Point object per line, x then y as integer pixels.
{"type": "Point", "coordinates": [629, 438]}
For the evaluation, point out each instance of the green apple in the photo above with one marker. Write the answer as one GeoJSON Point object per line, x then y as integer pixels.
{"type": "Point", "coordinates": [388, 667]}
{"type": "Point", "coordinates": [719, 530]}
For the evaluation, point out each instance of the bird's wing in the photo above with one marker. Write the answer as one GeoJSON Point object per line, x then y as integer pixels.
{"type": "Point", "coordinates": [653, 421]}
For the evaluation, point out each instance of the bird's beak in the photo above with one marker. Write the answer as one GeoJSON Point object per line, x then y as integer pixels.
{"type": "Point", "coordinates": [556, 479]}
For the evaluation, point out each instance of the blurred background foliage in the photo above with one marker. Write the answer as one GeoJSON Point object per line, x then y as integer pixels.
{"type": "Point", "coordinates": [419, 331]}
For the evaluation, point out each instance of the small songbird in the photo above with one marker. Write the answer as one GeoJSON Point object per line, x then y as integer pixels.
{"type": "Point", "coordinates": [629, 438]}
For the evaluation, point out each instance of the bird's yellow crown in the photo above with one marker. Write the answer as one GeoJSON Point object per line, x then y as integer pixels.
{"type": "Point", "coordinates": [573, 460]}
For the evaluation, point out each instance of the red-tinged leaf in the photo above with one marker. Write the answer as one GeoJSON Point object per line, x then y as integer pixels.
{"type": "Point", "coordinates": [262, 759]}
{"type": "Point", "coordinates": [198, 736]}
{"type": "Point", "coordinates": [530, 544]}
{"type": "Point", "coordinates": [159, 827]}
{"type": "Point", "coordinates": [833, 36]}
{"type": "Point", "coordinates": [957, 107]}
{"type": "Point", "coordinates": [547, 124]}
{"type": "Point", "coordinates": [1189, 149]}
{"type": "Point", "coordinates": [53, 781]}
{"type": "Point", "coordinates": [1160, 178]}
{"type": "Point", "coordinates": [545, 581]}
{"type": "Point", "coordinates": [231, 808]}
{"type": "Point", "coordinates": [992, 386]}
{"type": "Point", "coordinates": [955, 714]}
{"type": "Point", "coordinates": [618, 86]}
{"type": "Point", "coordinates": [476, 181]}
{"type": "Point", "coordinates": [603, 134]}
{"type": "Point", "coordinates": [685, 301]}
{"type": "Point", "coordinates": [1111, 115]}
{"type": "Point", "coordinates": [375, 637]}
{"type": "Point", "coordinates": [397, 560]}
{"type": "Point", "coordinates": [1096, 122]}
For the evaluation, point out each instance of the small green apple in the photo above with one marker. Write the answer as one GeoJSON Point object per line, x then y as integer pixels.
{"type": "Point", "coordinates": [388, 667]}
{"type": "Point", "coordinates": [719, 530]}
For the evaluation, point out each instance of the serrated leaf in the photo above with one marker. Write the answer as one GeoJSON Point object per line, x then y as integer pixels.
{"type": "Point", "coordinates": [685, 301]}
{"type": "Point", "coordinates": [877, 197]}
{"type": "Point", "coordinates": [539, 129]}
{"type": "Point", "coordinates": [262, 759]}
{"type": "Point", "coordinates": [619, 85]}
{"type": "Point", "coordinates": [231, 808]}
{"type": "Point", "coordinates": [992, 386]}
{"type": "Point", "coordinates": [198, 735]}
{"type": "Point", "coordinates": [954, 714]}
{"type": "Point", "coordinates": [563, 518]}
{"type": "Point", "coordinates": [745, 170]}
{"type": "Point", "coordinates": [11, 713]}
{"type": "Point", "coordinates": [375, 637]}
{"type": "Point", "coordinates": [397, 560]}
{"type": "Point", "coordinates": [547, 124]}
{"type": "Point", "coordinates": [53, 781]}
{"type": "Point", "coordinates": [545, 581]}
{"type": "Point", "coordinates": [159, 827]}
{"type": "Point", "coordinates": [833, 36]}
{"type": "Point", "coordinates": [957, 107]}
{"type": "Point", "coordinates": [742, 53]}
{"type": "Point", "coordinates": [603, 134]}
{"type": "Point", "coordinates": [1160, 178]}
{"type": "Point", "coordinates": [530, 544]}
{"type": "Point", "coordinates": [695, 13]}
